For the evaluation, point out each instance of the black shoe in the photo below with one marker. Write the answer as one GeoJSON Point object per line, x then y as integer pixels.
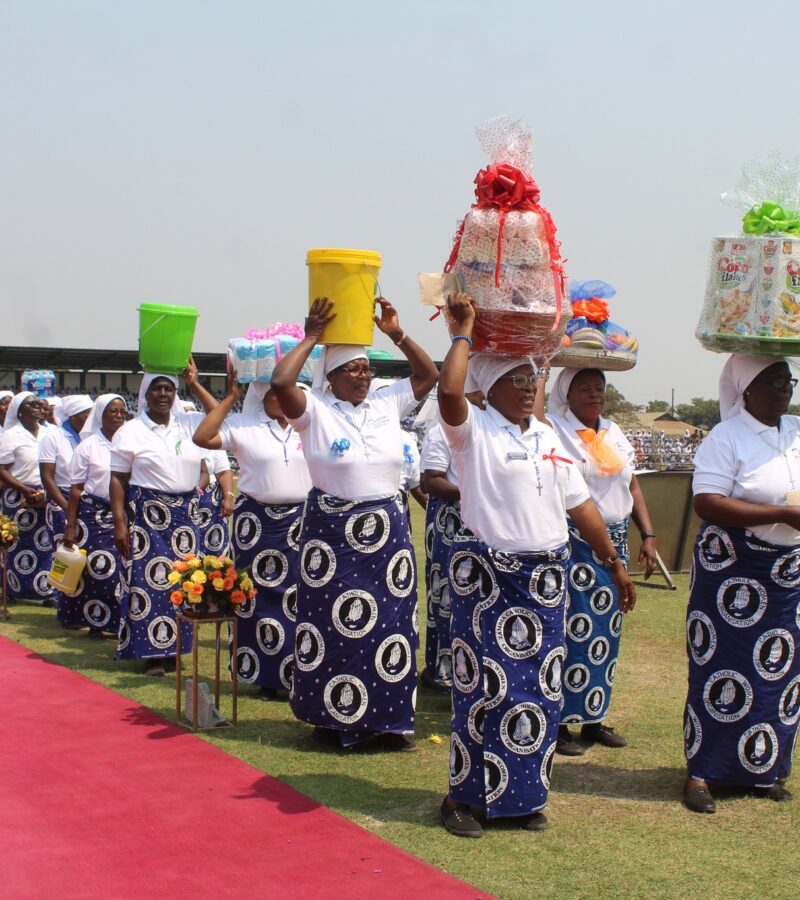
{"type": "Point", "coordinates": [566, 745]}
{"type": "Point", "coordinates": [460, 821]}
{"type": "Point", "coordinates": [267, 693]}
{"type": "Point", "coordinates": [155, 668]}
{"type": "Point", "coordinates": [327, 737]}
{"type": "Point", "coordinates": [49, 604]}
{"type": "Point", "coordinates": [779, 792]}
{"type": "Point", "coordinates": [95, 634]}
{"type": "Point", "coordinates": [698, 798]}
{"type": "Point", "coordinates": [597, 733]}
{"type": "Point", "coordinates": [398, 743]}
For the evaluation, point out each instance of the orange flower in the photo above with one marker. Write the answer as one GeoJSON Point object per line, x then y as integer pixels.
{"type": "Point", "coordinates": [176, 598]}
{"type": "Point", "coordinates": [237, 597]}
{"type": "Point", "coordinates": [194, 590]}
{"type": "Point", "coordinates": [180, 567]}
{"type": "Point", "coordinates": [230, 572]}
{"type": "Point", "coordinates": [228, 584]}
{"type": "Point", "coordinates": [251, 595]}
{"type": "Point", "coordinates": [189, 557]}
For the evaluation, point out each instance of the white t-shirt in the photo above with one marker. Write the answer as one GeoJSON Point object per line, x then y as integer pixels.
{"type": "Point", "coordinates": [20, 449]}
{"type": "Point", "coordinates": [503, 500]}
{"type": "Point", "coordinates": [91, 465]}
{"type": "Point", "coordinates": [436, 456]}
{"type": "Point", "coordinates": [159, 457]}
{"type": "Point", "coordinates": [409, 474]}
{"type": "Point", "coordinates": [369, 468]}
{"type": "Point", "coordinates": [56, 447]}
{"type": "Point", "coordinates": [611, 493]}
{"type": "Point", "coordinates": [747, 460]}
{"type": "Point", "coordinates": [258, 443]}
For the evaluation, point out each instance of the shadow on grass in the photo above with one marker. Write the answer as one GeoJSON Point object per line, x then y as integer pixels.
{"type": "Point", "coordinates": [663, 784]}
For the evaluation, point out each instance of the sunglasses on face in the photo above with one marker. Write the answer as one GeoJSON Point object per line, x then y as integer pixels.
{"type": "Point", "coordinates": [778, 384]}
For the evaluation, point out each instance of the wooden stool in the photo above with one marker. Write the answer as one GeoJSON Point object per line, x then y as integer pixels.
{"type": "Point", "coordinates": [196, 621]}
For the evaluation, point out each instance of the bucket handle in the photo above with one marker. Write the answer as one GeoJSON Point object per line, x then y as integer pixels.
{"type": "Point", "coordinates": [152, 325]}
{"type": "Point", "coordinates": [374, 274]}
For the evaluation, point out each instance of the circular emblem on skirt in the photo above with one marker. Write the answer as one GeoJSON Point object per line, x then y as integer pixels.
{"type": "Point", "coordinates": [157, 571]}
{"type": "Point", "coordinates": [156, 515]}
{"type": "Point", "coordinates": [289, 603]}
{"type": "Point", "coordinates": [475, 721]}
{"type": "Point", "coordinates": [786, 570]}
{"type": "Point", "coordinates": [460, 763]}
{"type": "Point", "coordinates": [466, 673]}
{"type": "Point", "coordinates": [523, 727]}
{"type": "Point", "coordinates": [43, 587]}
{"type": "Point", "coordinates": [727, 696]}
{"type": "Point", "coordinates": [445, 601]}
{"type": "Point", "coordinates": [246, 530]}
{"type": "Point", "coordinates": [245, 610]}
{"type": "Point", "coordinates": [449, 522]}
{"type": "Point", "coordinates": [184, 541]}
{"type": "Point", "coordinates": [317, 563]}
{"type": "Point", "coordinates": [518, 632]}
{"type": "Point", "coordinates": [367, 532]}
{"type": "Point", "coordinates": [576, 678]}
{"type": "Point", "coordinates": [594, 701]}
{"type": "Point", "coordinates": [692, 732]}
{"type": "Point", "coordinates": [599, 650]}
{"type": "Point", "coordinates": [101, 564]}
{"type": "Point", "coordinates": [330, 504]}
{"type": "Point", "coordinates": [138, 604]}
{"type": "Point", "coordinates": [615, 625]}
{"type": "Point", "coordinates": [495, 774]}
{"type": "Point", "coordinates": [506, 562]}
{"type": "Point", "coordinates": [467, 572]}
{"type": "Point", "coordinates": [104, 519]}
{"type": "Point", "coordinates": [270, 636]}
{"type": "Point", "coordinates": [293, 534]}
{"type": "Point", "coordinates": [550, 673]}
{"type": "Point", "coordinates": [270, 568]}
{"type": "Point", "coordinates": [495, 683]}
{"type": "Point", "coordinates": [346, 698]}
{"type": "Point", "coordinates": [162, 632]}
{"type": "Point", "coordinates": [582, 577]}
{"type": "Point", "coordinates": [579, 627]}
{"type": "Point", "coordinates": [741, 601]}
{"type": "Point", "coordinates": [773, 654]}
{"type": "Point", "coordinates": [789, 707]}
{"type": "Point", "coordinates": [25, 562]}
{"type": "Point", "coordinates": [547, 585]}
{"type": "Point", "coordinates": [393, 658]}
{"type": "Point", "coordinates": [12, 498]}
{"type": "Point", "coordinates": [279, 511]}
{"type": "Point", "coordinates": [602, 600]}
{"type": "Point", "coordinates": [41, 539]}
{"type": "Point", "coordinates": [214, 539]}
{"type": "Point", "coordinates": [97, 613]}
{"type": "Point", "coordinates": [286, 671]}
{"type": "Point", "coordinates": [139, 541]}
{"type": "Point", "coordinates": [124, 637]}
{"type": "Point", "coordinates": [354, 613]}
{"type": "Point", "coordinates": [546, 768]}
{"type": "Point", "coordinates": [13, 582]}
{"type": "Point", "coordinates": [200, 515]}
{"type": "Point", "coordinates": [611, 672]}
{"type": "Point", "coordinates": [716, 549]}
{"type": "Point", "coordinates": [758, 748]}
{"type": "Point", "coordinates": [309, 647]}
{"type": "Point", "coordinates": [25, 519]}
{"type": "Point", "coordinates": [247, 665]}
{"type": "Point", "coordinates": [701, 637]}
{"type": "Point", "coordinates": [400, 573]}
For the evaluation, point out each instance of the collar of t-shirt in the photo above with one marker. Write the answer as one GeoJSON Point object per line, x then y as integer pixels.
{"type": "Point", "coordinates": [345, 406]}
{"type": "Point", "coordinates": [154, 426]}
{"type": "Point", "coordinates": [571, 419]}
{"type": "Point", "coordinates": [787, 425]}
{"type": "Point", "coordinates": [513, 428]}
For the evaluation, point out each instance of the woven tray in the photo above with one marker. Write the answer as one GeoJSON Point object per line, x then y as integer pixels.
{"type": "Point", "coordinates": [605, 360]}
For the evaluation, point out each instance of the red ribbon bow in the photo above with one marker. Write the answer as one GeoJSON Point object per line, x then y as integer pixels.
{"type": "Point", "coordinates": [594, 309]}
{"type": "Point", "coordinates": [556, 459]}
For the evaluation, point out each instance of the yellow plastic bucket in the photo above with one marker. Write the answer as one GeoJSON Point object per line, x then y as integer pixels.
{"type": "Point", "coordinates": [348, 278]}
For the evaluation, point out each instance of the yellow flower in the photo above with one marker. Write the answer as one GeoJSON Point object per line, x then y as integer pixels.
{"type": "Point", "coordinates": [246, 584]}
{"type": "Point", "coordinates": [218, 584]}
{"type": "Point", "coordinates": [198, 577]}
{"type": "Point", "coordinates": [213, 562]}
{"type": "Point", "coordinates": [194, 563]}
{"type": "Point", "coordinates": [174, 577]}
{"type": "Point", "coordinates": [226, 560]}
{"type": "Point", "coordinates": [195, 598]}
{"type": "Point", "coordinates": [187, 586]}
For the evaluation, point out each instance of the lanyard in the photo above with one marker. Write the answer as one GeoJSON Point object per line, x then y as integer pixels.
{"type": "Point", "coordinates": [783, 450]}
{"type": "Point", "coordinates": [346, 415]}
{"type": "Point", "coordinates": [519, 443]}
{"type": "Point", "coordinates": [283, 442]}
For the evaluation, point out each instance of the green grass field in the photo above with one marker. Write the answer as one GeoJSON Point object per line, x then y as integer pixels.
{"type": "Point", "coordinates": [618, 828]}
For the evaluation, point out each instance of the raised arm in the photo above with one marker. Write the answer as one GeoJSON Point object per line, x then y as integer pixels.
{"type": "Point", "coordinates": [206, 434]}
{"type": "Point", "coordinates": [192, 378]}
{"type": "Point", "coordinates": [452, 402]}
{"type": "Point", "coordinates": [538, 402]}
{"type": "Point", "coordinates": [423, 371]}
{"type": "Point", "coordinates": [284, 378]}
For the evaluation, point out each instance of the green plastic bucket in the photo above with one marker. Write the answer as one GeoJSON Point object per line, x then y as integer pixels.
{"type": "Point", "coordinates": [166, 334]}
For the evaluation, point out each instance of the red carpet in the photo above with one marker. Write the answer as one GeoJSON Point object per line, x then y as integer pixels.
{"type": "Point", "coordinates": [99, 797]}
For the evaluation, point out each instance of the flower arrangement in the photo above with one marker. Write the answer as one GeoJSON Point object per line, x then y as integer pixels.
{"type": "Point", "coordinates": [206, 584]}
{"type": "Point", "coordinates": [9, 532]}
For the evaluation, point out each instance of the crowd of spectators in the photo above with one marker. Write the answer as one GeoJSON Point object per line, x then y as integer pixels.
{"type": "Point", "coordinates": [657, 450]}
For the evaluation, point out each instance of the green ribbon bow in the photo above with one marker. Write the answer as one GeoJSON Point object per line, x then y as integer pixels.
{"type": "Point", "coordinates": [771, 217]}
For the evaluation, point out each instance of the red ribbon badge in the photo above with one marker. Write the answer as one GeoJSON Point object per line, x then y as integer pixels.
{"type": "Point", "coordinates": [554, 459]}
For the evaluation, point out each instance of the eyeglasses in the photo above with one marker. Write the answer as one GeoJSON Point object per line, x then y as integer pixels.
{"type": "Point", "coordinates": [357, 371]}
{"type": "Point", "coordinates": [521, 381]}
{"type": "Point", "coordinates": [778, 384]}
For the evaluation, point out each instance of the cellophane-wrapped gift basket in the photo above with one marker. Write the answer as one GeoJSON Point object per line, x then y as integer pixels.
{"type": "Point", "coordinates": [752, 299]}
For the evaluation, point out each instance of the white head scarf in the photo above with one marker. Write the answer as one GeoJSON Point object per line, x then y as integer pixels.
{"type": "Point", "coordinates": [737, 375]}
{"type": "Point", "coordinates": [74, 405]}
{"type": "Point", "coordinates": [333, 356]}
{"type": "Point", "coordinates": [12, 418]}
{"type": "Point", "coordinates": [4, 394]}
{"type": "Point", "coordinates": [95, 421]}
{"type": "Point", "coordinates": [147, 379]}
{"type": "Point", "coordinates": [188, 406]}
{"type": "Point", "coordinates": [254, 398]}
{"type": "Point", "coordinates": [485, 369]}
{"type": "Point", "coordinates": [557, 403]}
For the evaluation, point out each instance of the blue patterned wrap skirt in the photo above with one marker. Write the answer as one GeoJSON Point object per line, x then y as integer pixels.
{"type": "Point", "coordinates": [355, 667]}
{"type": "Point", "coordinates": [508, 658]}
{"type": "Point", "coordinates": [215, 534]}
{"type": "Point", "coordinates": [743, 643]}
{"type": "Point", "coordinates": [30, 558]}
{"type": "Point", "coordinates": [442, 524]}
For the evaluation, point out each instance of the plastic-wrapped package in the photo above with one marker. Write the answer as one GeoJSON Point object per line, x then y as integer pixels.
{"type": "Point", "coordinates": [506, 255]}
{"type": "Point", "coordinates": [752, 298]}
{"type": "Point", "coordinates": [254, 356]}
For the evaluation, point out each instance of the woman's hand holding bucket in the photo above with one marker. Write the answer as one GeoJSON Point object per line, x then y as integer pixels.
{"type": "Point", "coordinates": [318, 317]}
{"type": "Point", "coordinates": [388, 321]}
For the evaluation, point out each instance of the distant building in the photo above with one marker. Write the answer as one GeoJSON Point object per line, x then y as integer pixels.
{"type": "Point", "coordinates": [664, 422]}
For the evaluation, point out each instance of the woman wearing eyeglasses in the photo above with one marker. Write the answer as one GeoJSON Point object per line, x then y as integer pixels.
{"type": "Point", "coordinates": [507, 582]}
{"type": "Point", "coordinates": [743, 621]}
{"type": "Point", "coordinates": [355, 670]}
{"type": "Point", "coordinates": [605, 458]}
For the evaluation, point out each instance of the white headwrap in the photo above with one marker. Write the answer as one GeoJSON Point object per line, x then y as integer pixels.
{"type": "Point", "coordinates": [485, 369]}
{"type": "Point", "coordinates": [254, 398]}
{"type": "Point", "coordinates": [95, 421]}
{"type": "Point", "coordinates": [737, 374]}
{"type": "Point", "coordinates": [13, 408]}
{"type": "Point", "coordinates": [147, 379]}
{"type": "Point", "coordinates": [4, 394]}
{"type": "Point", "coordinates": [333, 356]}
{"type": "Point", "coordinates": [74, 405]}
{"type": "Point", "coordinates": [557, 402]}
{"type": "Point", "coordinates": [189, 406]}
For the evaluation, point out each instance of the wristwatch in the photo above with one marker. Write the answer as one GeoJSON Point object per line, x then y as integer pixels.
{"type": "Point", "coordinates": [609, 563]}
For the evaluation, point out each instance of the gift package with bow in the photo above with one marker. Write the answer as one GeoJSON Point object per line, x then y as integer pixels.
{"type": "Point", "coordinates": [254, 356]}
{"type": "Point", "coordinates": [591, 338]}
{"type": "Point", "coordinates": [505, 254]}
{"type": "Point", "coordinates": [752, 300]}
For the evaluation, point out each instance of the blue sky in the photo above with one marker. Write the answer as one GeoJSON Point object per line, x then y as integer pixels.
{"type": "Point", "coordinates": [190, 152]}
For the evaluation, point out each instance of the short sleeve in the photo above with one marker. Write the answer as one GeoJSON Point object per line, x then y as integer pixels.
{"type": "Point", "coordinates": [47, 449]}
{"type": "Point", "coordinates": [122, 452]}
{"type": "Point", "coordinates": [459, 437]}
{"type": "Point", "coordinates": [79, 465]}
{"type": "Point", "coordinates": [302, 422]}
{"type": "Point", "coordinates": [714, 467]}
{"type": "Point", "coordinates": [7, 448]}
{"type": "Point", "coordinates": [413, 472]}
{"type": "Point", "coordinates": [401, 394]}
{"type": "Point", "coordinates": [577, 492]}
{"type": "Point", "coordinates": [435, 452]}
{"type": "Point", "coordinates": [227, 433]}
{"type": "Point", "coordinates": [220, 461]}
